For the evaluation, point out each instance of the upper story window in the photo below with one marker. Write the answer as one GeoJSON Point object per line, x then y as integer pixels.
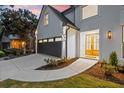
{"type": "Point", "coordinates": [46, 19]}
{"type": "Point", "coordinates": [89, 11]}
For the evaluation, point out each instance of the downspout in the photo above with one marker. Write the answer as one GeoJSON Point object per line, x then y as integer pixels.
{"type": "Point", "coordinates": [64, 43]}
{"type": "Point", "coordinates": [67, 39]}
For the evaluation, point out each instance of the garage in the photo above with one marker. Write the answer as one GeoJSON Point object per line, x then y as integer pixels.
{"type": "Point", "coordinates": [51, 46]}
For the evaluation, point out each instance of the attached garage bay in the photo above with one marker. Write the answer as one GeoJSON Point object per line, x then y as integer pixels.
{"type": "Point", "coordinates": [50, 47]}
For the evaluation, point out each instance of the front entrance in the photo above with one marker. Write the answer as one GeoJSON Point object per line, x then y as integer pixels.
{"type": "Point", "coordinates": [92, 45]}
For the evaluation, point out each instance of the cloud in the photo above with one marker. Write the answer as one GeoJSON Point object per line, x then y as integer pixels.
{"type": "Point", "coordinates": [36, 9]}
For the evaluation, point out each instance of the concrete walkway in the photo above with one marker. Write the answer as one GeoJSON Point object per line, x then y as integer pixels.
{"type": "Point", "coordinates": [22, 69]}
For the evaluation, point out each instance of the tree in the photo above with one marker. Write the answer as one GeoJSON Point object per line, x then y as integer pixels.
{"type": "Point", "coordinates": [21, 22]}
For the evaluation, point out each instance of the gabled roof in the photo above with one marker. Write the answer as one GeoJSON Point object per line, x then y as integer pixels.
{"type": "Point", "coordinates": [69, 9]}
{"type": "Point", "coordinates": [64, 19]}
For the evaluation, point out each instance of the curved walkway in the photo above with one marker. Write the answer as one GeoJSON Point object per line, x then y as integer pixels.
{"type": "Point", "coordinates": [49, 75]}
{"type": "Point", "coordinates": [22, 69]}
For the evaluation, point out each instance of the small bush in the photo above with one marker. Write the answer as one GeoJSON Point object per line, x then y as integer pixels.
{"type": "Point", "coordinates": [2, 54]}
{"type": "Point", "coordinates": [51, 61]}
{"type": "Point", "coordinates": [104, 62]}
{"type": "Point", "coordinates": [113, 60]}
{"type": "Point", "coordinates": [109, 69]}
{"type": "Point", "coordinates": [14, 51]}
{"type": "Point", "coordinates": [55, 62]}
{"type": "Point", "coordinates": [121, 69]}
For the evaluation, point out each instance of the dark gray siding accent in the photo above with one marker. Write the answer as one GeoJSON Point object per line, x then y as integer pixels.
{"type": "Point", "coordinates": [50, 48]}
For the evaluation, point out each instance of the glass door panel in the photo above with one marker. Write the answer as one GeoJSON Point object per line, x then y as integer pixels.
{"type": "Point", "coordinates": [92, 44]}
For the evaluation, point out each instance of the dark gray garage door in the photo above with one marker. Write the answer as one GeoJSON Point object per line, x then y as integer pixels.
{"type": "Point", "coordinates": [50, 48]}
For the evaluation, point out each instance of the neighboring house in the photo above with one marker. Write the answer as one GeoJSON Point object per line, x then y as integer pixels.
{"type": "Point", "coordinates": [12, 41]}
{"type": "Point", "coordinates": [88, 31]}
{"type": "Point", "coordinates": [16, 42]}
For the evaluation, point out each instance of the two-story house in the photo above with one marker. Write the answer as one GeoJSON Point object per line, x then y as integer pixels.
{"type": "Point", "coordinates": [89, 31]}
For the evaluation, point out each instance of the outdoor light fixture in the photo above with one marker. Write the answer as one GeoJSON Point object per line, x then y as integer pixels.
{"type": "Point", "coordinates": [109, 34]}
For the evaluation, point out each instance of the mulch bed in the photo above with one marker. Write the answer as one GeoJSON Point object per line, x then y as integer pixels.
{"type": "Point", "coordinates": [60, 65]}
{"type": "Point", "coordinates": [97, 71]}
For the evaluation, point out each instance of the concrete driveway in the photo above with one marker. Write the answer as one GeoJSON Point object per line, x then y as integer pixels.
{"type": "Point", "coordinates": [22, 69]}
{"type": "Point", "coordinates": [11, 67]}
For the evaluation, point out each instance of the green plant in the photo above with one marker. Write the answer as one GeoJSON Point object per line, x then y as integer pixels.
{"type": "Point", "coordinates": [121, 69]}
{"type": "Point", "coordinates": [55, 62]}
{"type": "Point", "coordinates": [2, 54]}
{"type": "Point", "coordinates": [113, 59]}
{"type": "Point", "coordinates": [104, 62]}
{"type": "Point", "coordinates": [109, 69]}
{"type": "Point", "coordinates": [51, 61]}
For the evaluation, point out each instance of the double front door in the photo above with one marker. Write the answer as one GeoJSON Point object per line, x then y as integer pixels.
{"type": "Point", "coordinates": [92, 45]}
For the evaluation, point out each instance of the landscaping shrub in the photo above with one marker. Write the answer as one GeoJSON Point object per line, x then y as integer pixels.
{"type": "Point", "coordinates": [121, 69]}
{"type": "Point", "coordinates": [10, 51]}
{"type": "Point", "coordinates": [113, 59]}
{"type": "Point", "coordinates": [55, 62]}
{"type": "Point", "coordinates": [108, 69]}
{"type": "Point", "coordinates": [104, 62]}
{"type": "Point", "coordinates": [14, 51]}
{"type": "Point", "coordinates": [51, 61]}
{"type": "Point", "coordinates": [2, 54]}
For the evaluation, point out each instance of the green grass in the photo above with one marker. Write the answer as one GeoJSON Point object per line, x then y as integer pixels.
{"type": "Point", "coordinates": [79, 81]}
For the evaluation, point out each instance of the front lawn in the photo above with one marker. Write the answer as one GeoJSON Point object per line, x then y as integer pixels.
{"type": "Point", "coordinates": [79, 81]}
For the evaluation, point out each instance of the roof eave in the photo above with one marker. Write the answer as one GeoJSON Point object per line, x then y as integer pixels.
{"type": "Point", "coordinates": [76, 28]}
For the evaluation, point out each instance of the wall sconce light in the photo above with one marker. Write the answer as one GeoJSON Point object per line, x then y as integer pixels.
{"type": "Point", "coordinates": [109, 34]}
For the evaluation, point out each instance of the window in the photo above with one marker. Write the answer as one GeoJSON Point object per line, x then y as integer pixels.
{"type": "Point", "coordinates": [58, 39]}
{"type": "Point", "coordinates": [89, 11]}
{"type": "Point", "coordinates": [45, 40]}
{"type": "Point", "coordinates": [46, 19]}
{"type": "Point", "coordinates": [51, 40]}
{"type": "Point", "coordinates": [40, 41]}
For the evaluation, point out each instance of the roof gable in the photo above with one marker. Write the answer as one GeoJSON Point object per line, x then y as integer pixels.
{"type": "Point", "coordinates": [64, 19]}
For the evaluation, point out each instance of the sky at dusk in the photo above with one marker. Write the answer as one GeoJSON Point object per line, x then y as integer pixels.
{"type": "Point", "coordinates": [36, 9]}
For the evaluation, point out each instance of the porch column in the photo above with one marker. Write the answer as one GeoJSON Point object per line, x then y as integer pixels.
{"type": "Point", "coordinates": [36, 42]}
{"type": "Point", "coordinates": [64, 41]}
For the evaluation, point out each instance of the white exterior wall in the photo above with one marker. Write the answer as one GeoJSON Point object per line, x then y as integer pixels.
{"type": "Point", "coordinates": [71, 43]}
